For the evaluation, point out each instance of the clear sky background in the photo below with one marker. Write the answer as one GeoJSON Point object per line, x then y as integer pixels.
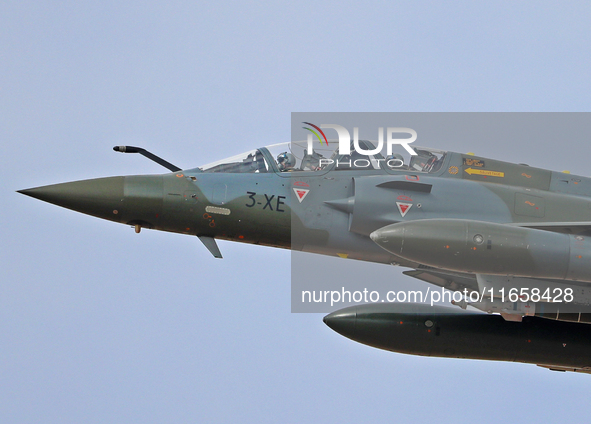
{"type": "Point", "coordinates": [99, 324]}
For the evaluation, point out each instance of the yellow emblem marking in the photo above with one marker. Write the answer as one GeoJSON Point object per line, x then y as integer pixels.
{"type": "Point", "coordinates": [485, 172]}
{"type": "Point", "coordinates": [453, 170]}
{"type": "Point", "coordinates": [474, 162]}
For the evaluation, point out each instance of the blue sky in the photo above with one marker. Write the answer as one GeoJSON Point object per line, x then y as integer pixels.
{"type": "Point", "coordinates": [99, 324]}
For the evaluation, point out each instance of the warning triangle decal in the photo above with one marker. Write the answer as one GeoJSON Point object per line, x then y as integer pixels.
{"type": "Point", "coordinates": [300, 193]}
{"type": "Point", "coordinates": [403, 207]}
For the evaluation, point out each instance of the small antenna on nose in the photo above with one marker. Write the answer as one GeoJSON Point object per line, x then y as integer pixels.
{"type": "Point", "coordinates": [151, 156]}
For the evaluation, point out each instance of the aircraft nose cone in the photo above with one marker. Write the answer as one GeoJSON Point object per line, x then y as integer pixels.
{"type": "Point", "coordinates": [343, 321]}
{"type": "Point", "coordinates": [390, 238]}
{"type": "Point", "coordinates": [99, 197]}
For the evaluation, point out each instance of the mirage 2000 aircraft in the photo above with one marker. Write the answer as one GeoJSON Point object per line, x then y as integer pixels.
{"type": "Point", "coordinates": [518, 237]}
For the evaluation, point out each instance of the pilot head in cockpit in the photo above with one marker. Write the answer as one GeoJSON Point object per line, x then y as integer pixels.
{"type": "Point", "coordinates": [286, 161]}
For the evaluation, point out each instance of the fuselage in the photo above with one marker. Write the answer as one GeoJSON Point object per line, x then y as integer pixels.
{"type": "Point", "coordinates": [332, 210]}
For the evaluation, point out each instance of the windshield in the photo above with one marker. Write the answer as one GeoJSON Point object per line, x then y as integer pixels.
{"type": "Point", "coordinates": [248, 162]}
{"type": "Point", "coordinates": [305, 156]}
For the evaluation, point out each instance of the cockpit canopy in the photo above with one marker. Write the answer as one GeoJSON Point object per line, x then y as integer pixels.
{"type": "Point", "coordinates": [302, 156]}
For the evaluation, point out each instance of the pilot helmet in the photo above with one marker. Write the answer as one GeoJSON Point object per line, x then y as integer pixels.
{"type": "Point", "coordinates": [286, 161]}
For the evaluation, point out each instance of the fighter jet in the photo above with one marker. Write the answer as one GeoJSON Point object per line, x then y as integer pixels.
{"type": "Point", "coordinates": [516, 236]}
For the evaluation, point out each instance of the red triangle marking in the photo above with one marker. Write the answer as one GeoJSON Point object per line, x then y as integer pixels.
{"type": "Point", "coordinates": [403, 207]}
{"type": "Point", "coordinates": [301, 193]}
